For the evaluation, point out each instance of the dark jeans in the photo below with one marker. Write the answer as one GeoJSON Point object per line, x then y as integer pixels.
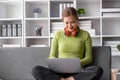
{"type": "Point", "coordinates": [89, 73]}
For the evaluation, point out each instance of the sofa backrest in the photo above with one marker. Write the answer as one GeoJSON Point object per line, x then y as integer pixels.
{"type": "Point", "coordinates": [17, 63]}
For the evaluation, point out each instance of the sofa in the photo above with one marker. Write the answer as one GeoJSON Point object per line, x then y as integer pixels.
{"type": "Point", "coordinates": [17, 63]}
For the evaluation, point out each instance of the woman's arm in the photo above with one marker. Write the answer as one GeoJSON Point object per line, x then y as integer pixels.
{"type": "Point", "coordinates": [88, 50]}
{"type": "Point", "coordinates": [54, 47]}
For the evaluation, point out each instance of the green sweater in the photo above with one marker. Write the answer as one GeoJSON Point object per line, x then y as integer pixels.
{"type": "Point", "coordinates": [72, 47]}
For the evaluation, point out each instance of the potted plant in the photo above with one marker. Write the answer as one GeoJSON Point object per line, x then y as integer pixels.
{"type": "Point", "coordinates": [37, 12]}
{"type": "Point", "coordinates": [118, 47]}
{"type": "Point", "coordinates": [81, 11]}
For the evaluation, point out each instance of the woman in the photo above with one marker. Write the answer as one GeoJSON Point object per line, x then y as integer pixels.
{"type": "Point", "coordinates": [71, 42]}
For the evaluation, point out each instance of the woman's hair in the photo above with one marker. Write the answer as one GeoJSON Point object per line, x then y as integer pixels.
{"type": "Point", "coordinates": [69, 11]}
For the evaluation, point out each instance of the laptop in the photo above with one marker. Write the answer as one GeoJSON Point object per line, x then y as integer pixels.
{"type": "Point", "coordinates": [64, 65]}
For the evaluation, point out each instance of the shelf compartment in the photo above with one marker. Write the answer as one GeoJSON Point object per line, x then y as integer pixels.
{"type": "Point", "coordinates": [96, 41]}
{"type": "Point", "coordinates": [56, 7]}
{"type": "Point", "coordinates": [12, 28]}
{"type": "Point", "coordinates": [11, 41]}
{"type": "Point", "coordinates": [11, 9]}
{"type": "Point", "coordinates": [30, 6]}
{"type": "Point", "coordinates": [31, 27]}
{"type": "Point", "coordinates": [115, 60]}
{"type": "Point", "coordinates": [112, 24]}
{"type": "Point", "coordinates": [93, 23]}
{"type": "Point", "coordinates": [112, 42]}
{"type": "Point", "coordinates": [37, 42]}
{"type": "Point", "coordinates": [91, 8]}
{"type": "Point", "coordinates": [110, 3]}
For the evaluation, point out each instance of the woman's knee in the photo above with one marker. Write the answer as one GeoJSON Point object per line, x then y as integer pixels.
{"type": "Point", "coordinates": [37, 69]}
{"type": "Point", "coordinates": [94, 68]}
{"type": "Point", "coordinates": [99, 72]}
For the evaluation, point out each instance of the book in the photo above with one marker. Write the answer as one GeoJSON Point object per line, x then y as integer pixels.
{"type": "Point", "coordinates": [19, 30]}
{"type": "Point", "coordinates": [9, 30]}
{"type": "Point", "coordinates": [91, 32]}
{"type": "Point", "coordinates": [4, 30]}
{"type": "Point", "coordinates": [60, 9]}
{"type": "Point", "coordinates": [14, 30]}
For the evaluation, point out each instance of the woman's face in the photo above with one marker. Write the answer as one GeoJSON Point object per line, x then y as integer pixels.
{"type": "Point", "coordinates": [70, 23]}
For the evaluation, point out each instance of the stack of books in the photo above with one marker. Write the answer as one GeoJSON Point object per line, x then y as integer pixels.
{"type": "Point", "coordinates": [87, 25]}
{"type": "Point", "coordinates": [63, 6]}
{"type": "Point", "coordinates": [55, 26]}
{"type": "Point", "coordinates": [113, 45]}
{"type": "Point", "coordinates": [111, 12]}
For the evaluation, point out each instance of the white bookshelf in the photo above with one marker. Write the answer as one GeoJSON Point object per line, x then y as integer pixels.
{"type": "Point", "coordinates": [110, 28]}
{"type": "Point", "coordinates": [22, 12]}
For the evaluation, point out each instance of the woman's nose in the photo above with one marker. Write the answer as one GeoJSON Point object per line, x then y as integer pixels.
{"type": "Point", "coordinates": [69, 25]}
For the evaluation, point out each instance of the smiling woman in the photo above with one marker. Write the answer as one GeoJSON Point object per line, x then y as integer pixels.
{"type": "Point", "coordinates": [72, 42]}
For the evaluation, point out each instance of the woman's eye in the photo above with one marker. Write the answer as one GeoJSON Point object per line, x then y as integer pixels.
{"type": "Point", "coordinates": [66, 23]}
{"type": "Point", "coordinates": [73, 22]}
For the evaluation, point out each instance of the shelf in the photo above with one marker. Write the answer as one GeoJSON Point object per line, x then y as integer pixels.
{"type": "Point", "coordinates": [10, 19]}
{"type": "Point", "coordinates": [91, 17]}
{"type": "Point", "coordinates": [35, 37]}
{"type": "Point", "coordinates": [110, 35]}
{"type": "Point", "coordinates": [111, 10]}
{"type": "Point", "coordinates": [10, 37]}
{"type": "Point", "coordinates": [61, 1]}
{"type": "Point", "coordinates": [36, 19]}
{"type": "Point", "coordinates": [111, 17]}
{"type": "Point", "coordinates": [115, 53]}
{"type": "Point", "coordinates": [35, 0]}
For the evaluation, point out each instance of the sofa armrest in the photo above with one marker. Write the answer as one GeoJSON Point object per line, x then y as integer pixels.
{"type": "Point", "coordinates": [102, 58]}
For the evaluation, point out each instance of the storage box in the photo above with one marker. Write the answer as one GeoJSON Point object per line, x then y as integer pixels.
{"type": "Point", "coordinates": [115, 74]}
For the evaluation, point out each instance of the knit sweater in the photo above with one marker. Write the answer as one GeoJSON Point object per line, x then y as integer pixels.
{"type": "Point", "coordinates": [72, 47]}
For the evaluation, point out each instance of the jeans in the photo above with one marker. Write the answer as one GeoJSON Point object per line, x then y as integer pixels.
{"type": "Point", "coordinates": [89, 73]}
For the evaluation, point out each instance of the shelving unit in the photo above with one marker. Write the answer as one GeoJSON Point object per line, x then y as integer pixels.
{"type": "Point", "coordinates": [11, 14]}
{"type": "Point", "coordinates": [110, 28]}
{"type": "Point", "coordinates": [30, 21]}
{"type": "Point", "coordinates": [102, 14]}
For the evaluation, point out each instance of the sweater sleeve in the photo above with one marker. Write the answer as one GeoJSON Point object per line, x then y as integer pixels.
{"type": "Point", "coordinates": [88, 50]}
{"type": "Point", "coordinates": [54, 47]}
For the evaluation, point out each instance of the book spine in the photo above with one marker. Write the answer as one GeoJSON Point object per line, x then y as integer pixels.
{"type": "Point", "coordinates": [4, 30]}
{"type": "Point", "coordinates": [9, 30]}
{"type": "Point", "coordinates": [14, 30]}
{"type": "Point", "coordinates": [19, 30]}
